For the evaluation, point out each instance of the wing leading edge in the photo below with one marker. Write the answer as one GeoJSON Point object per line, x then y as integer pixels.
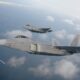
{"type": "Point", "coordinates": [27, 45]}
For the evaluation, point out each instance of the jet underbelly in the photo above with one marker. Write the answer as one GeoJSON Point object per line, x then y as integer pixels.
{"type": "Point", "coordinates": [27, 45]}
{"type": "Point", "coordinates": [46, 50]}
{"type": "Point", "coordinates": [70, 49]}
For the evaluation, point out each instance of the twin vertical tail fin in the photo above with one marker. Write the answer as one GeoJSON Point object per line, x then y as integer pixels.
{"type": "Point", "coordinates": [75, 41]}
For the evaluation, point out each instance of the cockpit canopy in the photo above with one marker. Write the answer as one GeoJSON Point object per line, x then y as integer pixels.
{"type": "Point", "coordinates": [21, 36]}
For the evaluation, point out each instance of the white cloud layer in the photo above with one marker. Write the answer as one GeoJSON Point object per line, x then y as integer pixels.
{"type": "Point", "coordinates": [64, 35]}
{"type": "Point", "coordinates": [13, 4]}
{"type": "Point", "coordinates": [67, 67]}
{"type": "Point", "coordinates": [50, 18]}
{"type": "Point", "coordinates": [42, 70]}
{"type": "Point", "coordinates": [70, 38]}
{"type": "Point", "coordinates": [43, 36]}
{"type": "Point", "coordinates": [67, 7]}
{"type": "Point", "coordinates": [60, 34]}
{"type": "Point", "coordinates": [77, 27]}
{"type": "Point", "coordinates": [69, 21]}
{"type": "Point", "coordinates": [16, 61]}
{"type": "Point", "coordinates": [18, 32]}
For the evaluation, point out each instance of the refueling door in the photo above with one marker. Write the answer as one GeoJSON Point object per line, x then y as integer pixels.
{"type": "Point", "coordinates": [35, 47]}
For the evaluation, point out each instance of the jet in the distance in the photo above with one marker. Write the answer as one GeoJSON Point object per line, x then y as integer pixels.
{"type": "Point", "coordinates": [25, 44]}
{"type": "Point", "coordinates": [36, 29]}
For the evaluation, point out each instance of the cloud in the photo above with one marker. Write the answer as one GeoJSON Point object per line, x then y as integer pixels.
{"type": "Point", "coordinates": [66, 69]}
{"type": "Point", "coordinates": [69, 21]}
{"type": "Point", "coordinates": [74, 58]}
{"type": "Point", "coordinates": [16, 61]}
{"type": "Point", "coordinates": [77, 27]}
{"type": "Point", "coordinates": [70, 38]}
{"type": "Point", "coordinates": [42, 70]}
{"type": "Point", "coordinates": [50, 18]}
{"type": "Point", "coordinates": [64, 35]}
{"type": "Point", "coordinates": [68, 7]}
{"type": "Point", "coordinates": [60, 34]}
{"type": "Point", "coordinates": [43, 36]}
{"type": "Point", "coordinates": [13, 4]}
{"type": "Point", "coordinates": [18, 32]}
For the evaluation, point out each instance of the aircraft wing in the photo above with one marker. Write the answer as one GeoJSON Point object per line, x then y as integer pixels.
{"type": "Point", "coordinates": [37, 29]}
{"type": "Point", "coordinates": [27, 45]}
{"type": "Point", "coordinates": [45, 28]}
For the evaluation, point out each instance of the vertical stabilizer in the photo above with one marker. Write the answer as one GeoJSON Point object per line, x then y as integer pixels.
{"type": "Point", "coordinates": [75, 40]}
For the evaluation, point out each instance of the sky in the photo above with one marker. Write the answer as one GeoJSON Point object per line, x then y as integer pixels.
{"type": "Point", "coordinates": [62, 16]}
{"type": "Point", "coordinates": [69, 7]}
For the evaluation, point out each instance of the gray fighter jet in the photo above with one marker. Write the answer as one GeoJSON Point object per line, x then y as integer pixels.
{"type": "Point", "coordinates": [37, 30]}
{"type": "Point", "coordinates": [23, 43]}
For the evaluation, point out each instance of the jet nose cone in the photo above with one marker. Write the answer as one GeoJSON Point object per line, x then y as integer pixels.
{"type": "Point", "coordinates": [3, 41]}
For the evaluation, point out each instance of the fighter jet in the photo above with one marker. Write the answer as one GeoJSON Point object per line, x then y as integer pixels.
{"type": "Point", "coordinates": [25, 44]}
{"type": "Point", "coordinates": [37, 30]}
